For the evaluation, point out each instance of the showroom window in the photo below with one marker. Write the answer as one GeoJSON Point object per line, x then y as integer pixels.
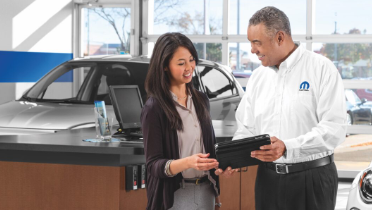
{"type": "Point", "coordinates": [188, 17]}
{"type": "Point", "coordinates": [353, 60]}
{"type": "Point", "coordinates": [241, 58]}
{"type": "Point", "coordinates": [336, 29]}
{"type": "Point", "coordinates": [242, 10]}
{"type": "Point", "coordinates": [105, 30]}
{"type": "Point", "coordinates": [343, 17]}
{"type": "Point", "coordinates": [209, 51]}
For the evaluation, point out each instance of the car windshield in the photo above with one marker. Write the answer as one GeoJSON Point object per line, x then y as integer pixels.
{"type": "Point", "coordinates": [86, 82]}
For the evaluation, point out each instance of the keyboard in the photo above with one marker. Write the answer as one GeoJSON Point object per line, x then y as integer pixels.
{"type": "Point", "coordinates": [131, 136]}
{"type": "Point", "coordinates": [138, 134]}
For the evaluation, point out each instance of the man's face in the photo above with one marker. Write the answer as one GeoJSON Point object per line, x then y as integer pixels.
{"type": "Point", "coordinates": [264, 46]}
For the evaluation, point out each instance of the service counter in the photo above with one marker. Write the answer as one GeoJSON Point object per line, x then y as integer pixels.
{"type": "Point", "coordinates": [60, 171]}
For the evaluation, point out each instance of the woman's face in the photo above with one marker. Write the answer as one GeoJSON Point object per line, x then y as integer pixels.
{"type": "Point", "coordinates": [181, 67]}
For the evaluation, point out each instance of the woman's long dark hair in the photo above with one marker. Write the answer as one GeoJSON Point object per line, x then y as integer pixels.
{"type": "Point", "coordinates": [157, 81]}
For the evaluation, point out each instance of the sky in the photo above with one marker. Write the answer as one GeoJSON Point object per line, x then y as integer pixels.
{"type": "Point", "coordinates": [348, 14]}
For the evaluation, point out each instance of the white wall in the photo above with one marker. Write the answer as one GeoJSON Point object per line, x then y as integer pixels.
{"type": "Point", "coordinates": [30, 26]}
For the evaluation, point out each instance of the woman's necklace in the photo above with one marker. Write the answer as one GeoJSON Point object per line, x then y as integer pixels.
{"type": "Point", "coordinates": [182, 98]}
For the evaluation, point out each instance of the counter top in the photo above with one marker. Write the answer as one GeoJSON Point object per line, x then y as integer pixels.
{"type": "Point", "coordinates": [68, 147]}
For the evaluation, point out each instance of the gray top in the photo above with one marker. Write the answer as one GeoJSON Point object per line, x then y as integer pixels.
{"type": "Point", "coordinates": [68, 147]}
{"type": "Point", "coordinates": [190, 140]}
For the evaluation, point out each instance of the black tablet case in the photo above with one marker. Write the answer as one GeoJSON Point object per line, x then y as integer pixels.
{"type": "Point", "coordinates": [237, 153]}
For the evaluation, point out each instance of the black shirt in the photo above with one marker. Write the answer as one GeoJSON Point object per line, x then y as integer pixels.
{"type": "Point", "coordinates": [161, 145]}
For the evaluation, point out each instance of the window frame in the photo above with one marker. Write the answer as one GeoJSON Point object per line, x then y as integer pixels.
{"type": "Point", "coordinates": [134, 5]}
{"type": "Point", "coordinates": [309, 38]}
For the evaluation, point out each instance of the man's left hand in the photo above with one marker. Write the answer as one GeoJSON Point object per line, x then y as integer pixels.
{"type": "Point", "coordinates": [272, 152]}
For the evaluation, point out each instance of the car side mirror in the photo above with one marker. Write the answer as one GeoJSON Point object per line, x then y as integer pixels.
{"type": "Point", "coordinates": [364, 100]}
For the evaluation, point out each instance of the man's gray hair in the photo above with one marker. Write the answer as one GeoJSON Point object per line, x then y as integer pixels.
{"type": "Point", "coordinates": [274, 19]}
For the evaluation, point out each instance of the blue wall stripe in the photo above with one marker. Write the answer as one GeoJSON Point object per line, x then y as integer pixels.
{"type": "Point", "coordinates": [30, 66]}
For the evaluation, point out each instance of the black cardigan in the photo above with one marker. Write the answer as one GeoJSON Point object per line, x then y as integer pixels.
{"type": "Point", "coordinates": [161, 145]}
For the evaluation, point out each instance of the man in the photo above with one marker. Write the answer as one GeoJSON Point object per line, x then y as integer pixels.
{"type": "Point", "coordinates": [297, 97]}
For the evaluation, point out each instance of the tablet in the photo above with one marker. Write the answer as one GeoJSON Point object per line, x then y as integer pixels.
{"type": "Point", "coordinates": [237, 153]}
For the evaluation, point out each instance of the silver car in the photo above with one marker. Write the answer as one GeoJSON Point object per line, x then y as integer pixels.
{"type": "Point", "coordinates": [64, 98]}
{"type": "Point", "coordinates": [360, 195]}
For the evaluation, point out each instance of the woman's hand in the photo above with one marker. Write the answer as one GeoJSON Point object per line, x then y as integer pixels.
{"type": "Point", "coordinates": [227, 173]}
{"type": "Point", "coordinates": [201, 162]}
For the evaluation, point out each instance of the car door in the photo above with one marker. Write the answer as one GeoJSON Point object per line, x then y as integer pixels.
{"type": "Point", "coordinates": [365, 115]}
{"type": "Point", "coordinates": [361, 114]}
{"type": "Point", "coordinates": [224, 99]}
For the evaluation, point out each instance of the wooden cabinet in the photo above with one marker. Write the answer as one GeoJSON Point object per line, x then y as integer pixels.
{"type": "Point", "coordinates": [248, 180]}
{"type": "Point", "coordinates": [41, 186]}
{"type": "Point", "coordinates": [237, 192]}
{"type": "Point", "coordinates": [230, 192]}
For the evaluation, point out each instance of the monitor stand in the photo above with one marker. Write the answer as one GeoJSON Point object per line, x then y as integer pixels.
{"type": "Point", "coordinates": [128, 134]}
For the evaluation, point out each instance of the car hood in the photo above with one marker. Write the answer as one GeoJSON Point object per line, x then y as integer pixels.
{"type": "Point", "coordinates": [368, 103]}
{"type": "Point", "coordinates": [46, 116]}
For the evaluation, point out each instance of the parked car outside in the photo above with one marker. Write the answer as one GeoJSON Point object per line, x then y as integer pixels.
{"type": "Point", "coordinates": [242, 77]}
{"type": "Point", "coordinates": [359, 111]}
{"type": "Point", "coordinates": [364, 93]}
{"type": "Point", "coordinates": [360, 194]}
{"type": "Point", "coordinates": [61, 101]}
{"type": "Point", "coordinates": [242, 74]}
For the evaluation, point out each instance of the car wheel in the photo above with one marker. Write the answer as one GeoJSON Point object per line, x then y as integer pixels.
{"type": "Point", "coordinates": [349, 119]}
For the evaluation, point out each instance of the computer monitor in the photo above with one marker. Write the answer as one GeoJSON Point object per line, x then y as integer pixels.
{"type": "Point", "coordinates": [127, 103]}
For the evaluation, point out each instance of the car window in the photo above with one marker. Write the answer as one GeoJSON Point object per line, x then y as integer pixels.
{"type": "Point", "coordinates": [60, 88]}
{"type": "Point", "coordinates": [216, 83]}
{"type": "Point", "coordinates": [121, 74]}
{"type": "Point", "coordinates": [58, 85]}
{"type": "Point", "coordinates": [195, 81]}
{"type": "Point", "coordinates": [98, 77]}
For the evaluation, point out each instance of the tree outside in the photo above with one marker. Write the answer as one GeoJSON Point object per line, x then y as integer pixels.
{"type": "Point", "coordinates": [169, 12]}
{"type": "Point", "coordinates": [117, 18]}
{"type": "Point", "coordinates": [353, 60]}
{"type": "Point", "coordinates": [213, 52]}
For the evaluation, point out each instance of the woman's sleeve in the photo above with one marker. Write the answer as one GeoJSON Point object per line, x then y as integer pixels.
{"type": "Point", "coordinates": [153, 142]}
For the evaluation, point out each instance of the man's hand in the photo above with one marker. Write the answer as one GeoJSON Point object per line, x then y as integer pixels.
{"type": "Point", "coordinates": [227, 173]}
{"type": "Point", "coordinates": [272, 152]}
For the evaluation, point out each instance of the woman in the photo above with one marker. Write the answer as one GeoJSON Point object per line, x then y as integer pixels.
{"type": "Point", "coordinates": [177, 131]}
